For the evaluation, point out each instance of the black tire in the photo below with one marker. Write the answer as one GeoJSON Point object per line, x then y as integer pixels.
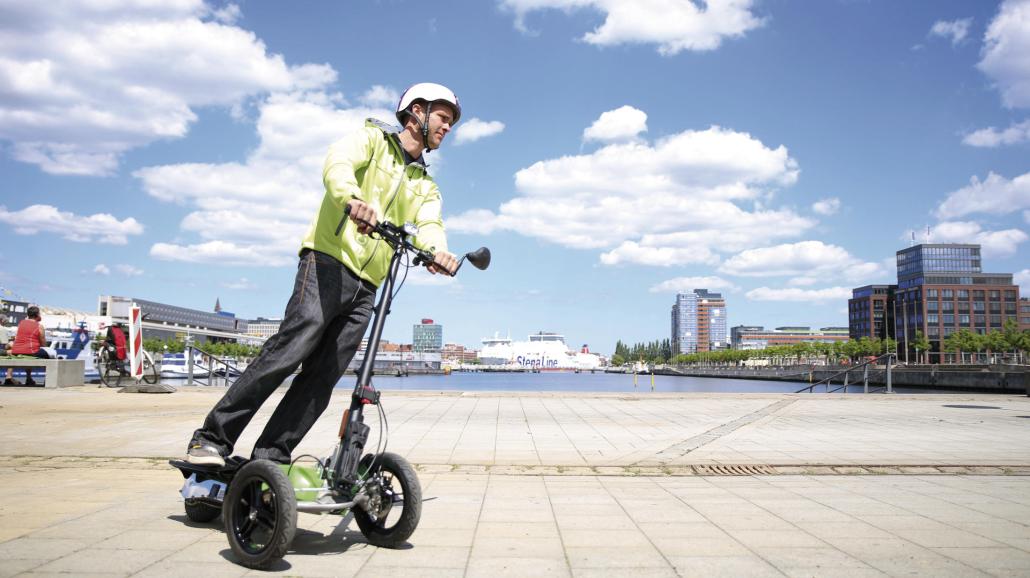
{"type": "Point", "coordinates": [149, 369]}
{"type": "Point", "coordinates": [395, 515]}
{"type": "Point", "coordinates": [110, 369]}
{"type": "Point", "coordinates": [201, 512]}
{"type": "Point", "coordinates": [260, 514]}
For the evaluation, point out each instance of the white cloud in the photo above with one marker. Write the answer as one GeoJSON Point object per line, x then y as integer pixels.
{"type": "Point", "coordinates": [128, 270]}
{"type": "Point", "coordinates": [1022, 278]}
{"type": "Point", "coordinates": [672, 202]}
{"type": "Point", "coordinates": [98, 228]}
{"type": "Point", "coordinates": [1005, 57]}
{"type": "Point", "coordinates": [422, 277]}
{"type": "Point", "coordinates": [219, 253]}
{"type": "Point", "coordinates": [954, 30]}
{"type": "Point", "coordinates": [673, 26]}
{"type": "Point", "coordinates": [991, 137]}
{"type": "Point", "coordinates": [687, 284]}
{"type": "Point", "coordinates": [380, 95]}
{"type": "Point", "coordinates": [79, 86]}
{"type": "Point", "coordinates": [101, 269]}
{"type": "Point", "coordinates": [475, 129]}
{"type": "Point", "coordinates": [799, 295]}
{"type": "Point", "coordinates": [621, 124]}
{"type": "Point", "coordinates": [807, 259]}
{"type": "Point", "coordinates": [258, 210]}
{"type": "Point", "coordinates": [826, 206]}
{"type": "Point", "coordinates": [993, 243]}
{"type": "Point", "coordinates": [994, 195]}
{"type": "Point", "coordinates": [239, 285]}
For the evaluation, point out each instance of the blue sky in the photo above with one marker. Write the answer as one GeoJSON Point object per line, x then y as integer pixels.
{"type": "Point", "coordinates": [610, 152]}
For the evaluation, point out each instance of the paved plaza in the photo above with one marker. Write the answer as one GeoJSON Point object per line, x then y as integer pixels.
{"type": "Point", "coordinates": [554, 485]}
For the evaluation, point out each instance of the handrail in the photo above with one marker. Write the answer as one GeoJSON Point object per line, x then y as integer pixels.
{"type": "Point", "coordinates": [827, 381]}
{"type": "Point", "coordinates": [229, 368]}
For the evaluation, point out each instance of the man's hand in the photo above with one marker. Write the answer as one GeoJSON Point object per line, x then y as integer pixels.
{"type": "Point", "coordinates": [363, 215]}
{"type": "Point", "coordinates": [443, 262]}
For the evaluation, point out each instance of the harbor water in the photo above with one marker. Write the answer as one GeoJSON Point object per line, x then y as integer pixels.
{"type": "Point", "coordinates": [581, 382]}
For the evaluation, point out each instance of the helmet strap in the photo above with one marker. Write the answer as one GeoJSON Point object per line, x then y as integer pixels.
{"type": "Point", "coordinates": [425, 127]}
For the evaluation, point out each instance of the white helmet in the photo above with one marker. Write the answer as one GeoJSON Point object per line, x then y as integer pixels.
{"type": "Point", "coordinates": [429, 92]}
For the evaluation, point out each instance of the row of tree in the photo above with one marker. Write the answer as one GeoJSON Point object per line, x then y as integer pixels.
{"type": "Point", "coordinates": [1009, 340]}
{"type": "Point", "coordinates": [216, 348]}
{"type": "Point", "coordinates": [964, 344]}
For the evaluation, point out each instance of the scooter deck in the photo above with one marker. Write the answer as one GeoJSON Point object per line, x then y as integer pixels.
{"type": "Point", "coordinates": [223, 474]}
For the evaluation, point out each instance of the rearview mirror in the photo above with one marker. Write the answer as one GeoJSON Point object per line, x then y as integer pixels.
{"type": "Point", "coordinates": [480, 258]}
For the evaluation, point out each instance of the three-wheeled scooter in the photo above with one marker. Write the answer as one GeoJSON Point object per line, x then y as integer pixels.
{"type": "Point", "coordinates": [259, 499]}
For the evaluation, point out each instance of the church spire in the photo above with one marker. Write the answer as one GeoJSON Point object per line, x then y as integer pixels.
{"type": "Point", "coordinates": [218, 306]}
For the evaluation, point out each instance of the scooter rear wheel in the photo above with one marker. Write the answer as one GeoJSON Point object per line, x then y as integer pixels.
{"type": "Point", "coordinates": [260, 514]}
{"type": "Point", "coordinates": [396, 501]}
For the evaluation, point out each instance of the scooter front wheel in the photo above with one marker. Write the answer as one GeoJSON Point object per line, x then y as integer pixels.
{"type": "Point", "coordinates": [260, 514]}
{"type": "Point", "coordinates": [395, 500]}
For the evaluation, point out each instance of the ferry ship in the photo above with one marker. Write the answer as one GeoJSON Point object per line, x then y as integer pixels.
{"type": "Point", "coordinates": [543, 351]}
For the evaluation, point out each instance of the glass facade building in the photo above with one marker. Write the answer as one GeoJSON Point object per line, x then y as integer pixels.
{"type": "Point", "coordinates": [427, 336]}
{"type": "Point", "coordinates": [699, 322]}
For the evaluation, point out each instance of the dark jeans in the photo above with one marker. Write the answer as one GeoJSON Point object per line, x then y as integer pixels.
{"type": "Point", "coordinates": [325, 320]}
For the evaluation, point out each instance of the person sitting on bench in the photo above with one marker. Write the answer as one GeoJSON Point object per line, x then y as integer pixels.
{"type": "Point", "coordinates": [30, 340]}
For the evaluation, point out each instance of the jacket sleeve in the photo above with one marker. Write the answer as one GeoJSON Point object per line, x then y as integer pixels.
{"type": "Point", "coordinates": [431, 235]}
{"type": "Point", "coordinates": [347, 157]}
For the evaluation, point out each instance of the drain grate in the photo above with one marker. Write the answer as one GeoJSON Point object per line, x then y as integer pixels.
{"type": "Point", "coordinates": [733, 470]}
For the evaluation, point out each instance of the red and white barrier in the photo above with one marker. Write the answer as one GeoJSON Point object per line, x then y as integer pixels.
{"type": "Point", "coordinates": [136, 342]}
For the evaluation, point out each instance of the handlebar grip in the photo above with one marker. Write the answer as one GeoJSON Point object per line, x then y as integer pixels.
{"type": "Point", "coordinates": [343, 220]}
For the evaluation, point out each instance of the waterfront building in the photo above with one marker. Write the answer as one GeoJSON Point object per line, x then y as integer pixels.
{"type": "Point", "coordinates": [871, 312]}
{"type": "Point", "coordinates": [698, 322]}
{"type": "Point", "coordinates": [751, 337]}
{"type": "Point", "coordinates": [942, 289]}
{"type": "Point", "coordinates": [263, 328]}
{"type": "Point", "coordinates": [1024, 311]}
{"type": "Point", "coordinates": [164, 321]}
{"type": "Point", "coordinates": [427, 336]}
{"type": "Point", "coordinates": [458, 353]}
{"type": "Point", "coordinates": [16, 311]}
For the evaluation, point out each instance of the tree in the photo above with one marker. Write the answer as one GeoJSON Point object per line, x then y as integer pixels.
{"type": "Point", "coordinates": [920, 343]}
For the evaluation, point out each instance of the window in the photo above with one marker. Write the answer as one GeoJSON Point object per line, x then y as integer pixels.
{"type": "Point", "coordinates": [995, 295]}
{"type": "Point", "coordinates": [963, 294]}
{"type": "Point", "coordinates": [963, 320]}
{"type": "Point", "coordinates": [932, 306]}
{"type": "Point", "coordinates": [963, 306]}
{"type": "Point", "coordinates": [978, 295]}
{"type": "Point", "coordinates": [948, 294]}
{"type": "Point", "coordinates": [980, 320]}
{"type": "Point", "coordinates": [949, 319]}
{"type": "Point", "coordinates": [931, 293]}
{"type": "Point", "coordinates": [933, 331]}
{"type": "Point", "coordinates": [932, 319]}
{"type": "Point", "coordinates": [978, 305]}
{"type": "Point", "coordinates": [1010, 295]}
{"type": "Point", "coordinates": [995, 320]}
{"type": "Point", "coordinates": [948, 306]}
{"type": "Point", "coordinates": [995, 307]}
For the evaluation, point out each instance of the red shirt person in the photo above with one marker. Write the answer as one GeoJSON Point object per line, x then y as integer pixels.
{"type": "Point", "coordinates": [31, 336]}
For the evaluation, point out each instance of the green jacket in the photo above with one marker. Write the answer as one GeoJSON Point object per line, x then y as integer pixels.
{"type": "Point", "coordinates": [369, 165]}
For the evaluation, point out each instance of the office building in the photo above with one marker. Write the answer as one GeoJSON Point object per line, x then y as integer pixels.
{"type": "Point", "coordinates": [757, 337]}
{"type": "Point", "coordinates": [163, 321]}
{"type": "Point", "coordinates": [871, 312]}
{"type": "Point", "coordinates": [698, 322]}
{"type": "Point", "coordinates": [941, 289]}
{"type": "Point", "coordinates": [263, 328]}
{"type": "Point", "coordinates": [427, 336]}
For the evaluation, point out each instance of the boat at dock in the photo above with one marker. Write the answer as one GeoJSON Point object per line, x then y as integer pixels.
{"type": "Point", "coordinates": [542, 351]}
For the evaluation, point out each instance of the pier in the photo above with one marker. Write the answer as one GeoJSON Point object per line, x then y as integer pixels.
{"type": "Point", "coordinates": [564, 484]}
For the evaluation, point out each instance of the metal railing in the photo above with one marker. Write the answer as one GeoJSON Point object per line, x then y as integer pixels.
{"type": "Point", "coordinates": [864, 366]}
{"type": "Point", "coordinates": [227, 375]}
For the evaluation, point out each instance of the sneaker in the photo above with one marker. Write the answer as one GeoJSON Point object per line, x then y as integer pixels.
{"type": "Point", "coordinates": [204, 455]}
